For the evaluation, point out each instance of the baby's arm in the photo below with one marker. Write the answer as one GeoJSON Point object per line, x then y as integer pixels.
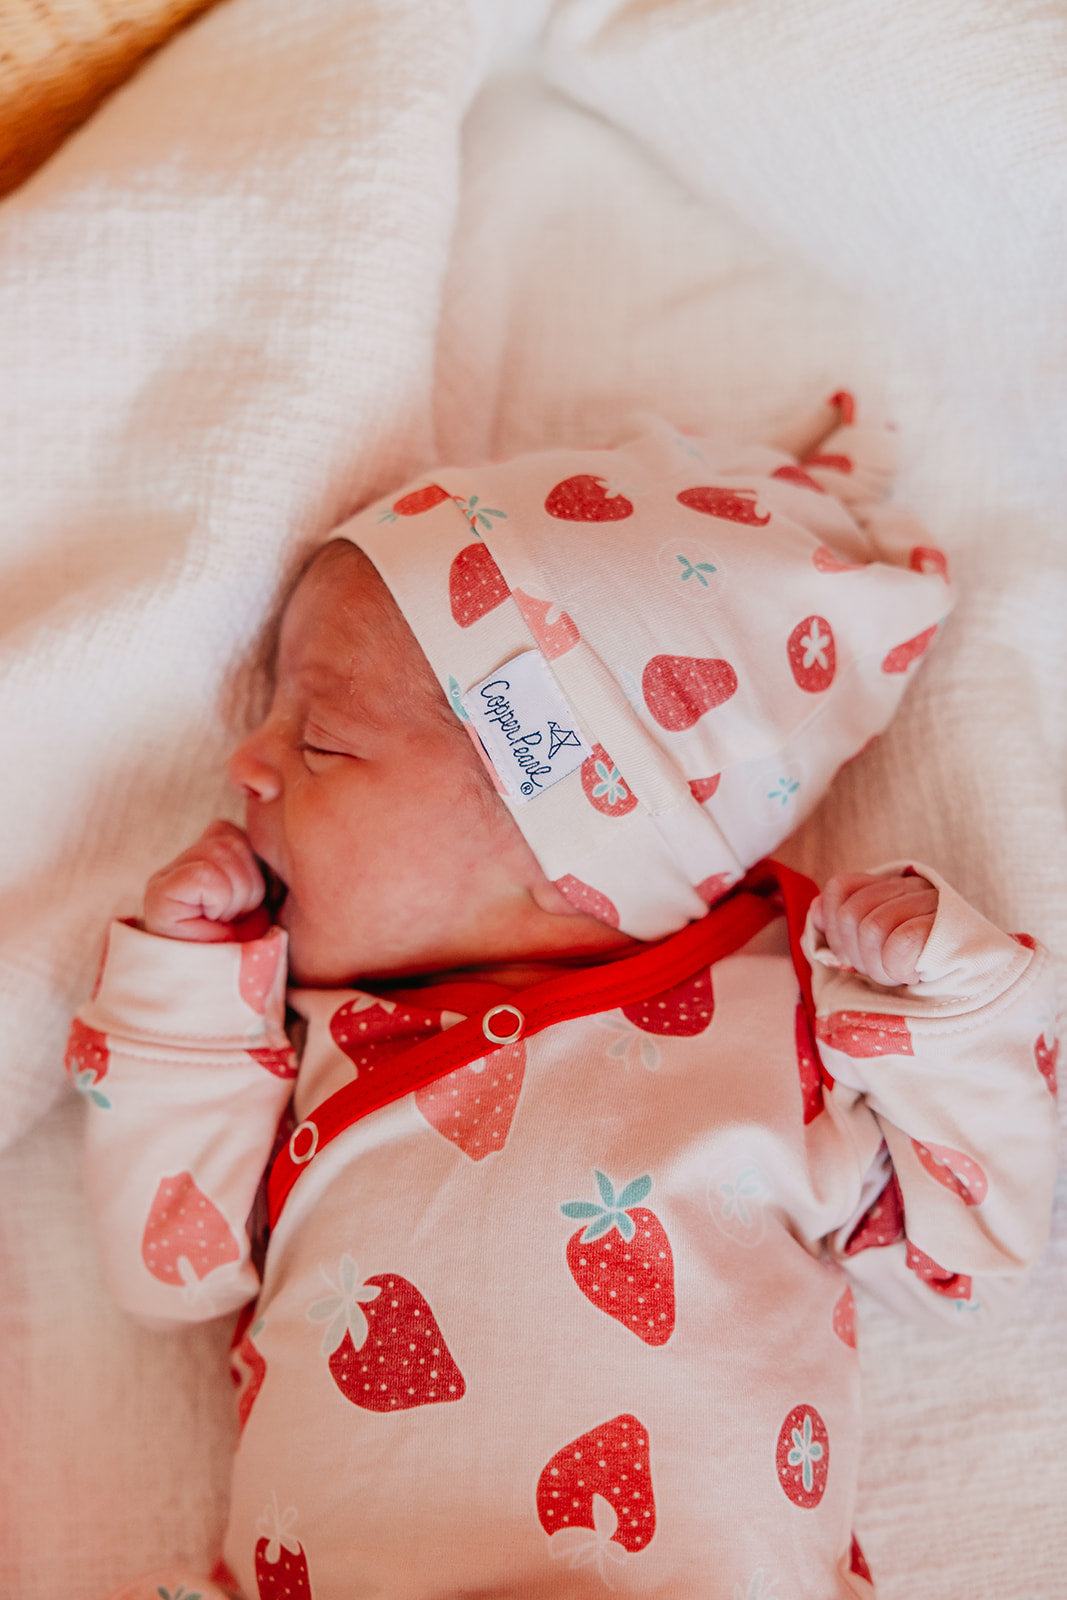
{"type": "Point", "coordinates": [945, 1028]}
{"type": "Point", "coordinates": [184, 1062]}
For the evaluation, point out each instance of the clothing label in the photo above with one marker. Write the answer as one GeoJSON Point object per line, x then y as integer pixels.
{"type": "Point", "coordinates": [526, 727]}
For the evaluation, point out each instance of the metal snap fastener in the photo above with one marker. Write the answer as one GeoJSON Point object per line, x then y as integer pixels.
{"type": "Point", "coordinates": [501, 1011]}
{"type": "Point", "coordinates": [304, 1127]}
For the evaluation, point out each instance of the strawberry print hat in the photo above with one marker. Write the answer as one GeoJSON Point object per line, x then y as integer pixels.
{"type": "Point", "coordinates": [665, 651]}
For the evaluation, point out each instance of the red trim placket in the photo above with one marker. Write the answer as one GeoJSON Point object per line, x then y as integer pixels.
{"type": "Point", "coordinates": [768, 891]}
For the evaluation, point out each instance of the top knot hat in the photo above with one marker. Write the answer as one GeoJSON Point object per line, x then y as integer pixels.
{"type": "Point", "coordinates": [666, 650]}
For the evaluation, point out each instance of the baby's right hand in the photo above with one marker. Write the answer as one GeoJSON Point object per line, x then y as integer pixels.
{"type": "Point", "coordinates": [205, 890]}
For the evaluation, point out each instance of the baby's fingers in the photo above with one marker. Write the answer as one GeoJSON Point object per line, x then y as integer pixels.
{"type": "Point", "coordinates": [878, 926]}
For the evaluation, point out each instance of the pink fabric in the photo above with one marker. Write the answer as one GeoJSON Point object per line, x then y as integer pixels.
{"type": "Point", "coordinates": [722, 628]}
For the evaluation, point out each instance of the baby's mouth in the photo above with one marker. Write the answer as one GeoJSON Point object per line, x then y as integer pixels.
{"type": "Point", "coordinates": [276, 890]}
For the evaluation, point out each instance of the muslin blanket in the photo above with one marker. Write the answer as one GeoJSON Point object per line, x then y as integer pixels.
{"type": "Point", "coordinates": [317, 246]}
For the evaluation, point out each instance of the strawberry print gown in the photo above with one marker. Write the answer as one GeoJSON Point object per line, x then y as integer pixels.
{"type": "Point", "coordinates": [575, 1316]}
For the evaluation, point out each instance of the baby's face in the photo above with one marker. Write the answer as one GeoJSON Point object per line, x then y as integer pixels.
{"type": "Point", "coordinates": [367, 799]}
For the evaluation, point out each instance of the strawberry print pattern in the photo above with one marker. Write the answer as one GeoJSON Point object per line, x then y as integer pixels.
{"type": "Point", "coordinates": [281, 1063]}
{"type": "Point", "coordinates": [812, 657]}
{"type": "Point", "coordinates": [703, 788]}
{"type": "Point", "coordinates": [185, 1236]}
{"type": "Point", "coordinates": [554, 638]}
{"type": "Point", "coordinates": [954, 1285]}
{"type": "Point", "coordinates": [585, 898]}
{"type": "Point", "coordinates": [473, 1107]}
{"type": "Point", "coordinates": [611, 1461]}
{"type": "Point", "coordinates": [808, 1064]}
{"type": "Point", "coordinates": [86, 1062]}
{"type": "Point", "coordinates": [622, 1260]}
{"type": "Point", "coordinates": [713, 888]}
{"type": "Point", "coordinates": [803, 1457]}
{"type": "Point", "coordinates": [864, 1034]}
{"type": "Point", "coordinates": [476, 585]}
{"type": "Point", "coordinates": [385, 1349]}
{"type": "Point", "coordinates": [585, 498]}
{"type": "Point", "coordinates": [844, 1317]}
{"type": "Point", "coordinates": [258, 970]}
{"type": "Point", "coordinates": [247, 1370]}
{"type": "Point", "coordinates": [1047, 1055]}
{"type": "Point", "coordinates": [882, 1223]}
{"type": "Point", "coordinates": [603, 785]}
{"type": "Point", "coordinates": [857, 1562]}
{"type": "Point", "coordinates": [679, 690]}
{"type": "Point", "coordinates": [371, 1031]}
{"type": "Point", "coordinates": [902, 657]}
{"type": "Point", "coordinates": [737, 1199]}
{"type": "Point", "coordinates": [954, 1171]}
{"type": "Point", "coordinates": [797, 475]}
{"type": "Point", "coordinates": [683, 1011]}
{"type": "Point", "coordinates": [416, 502]}
{"type": "Point", "coordinates": [927, 558]}
{"type": "Point", "coordinates": [280, 1563]}
{"type": "Point", "coordinates": [733, 505]}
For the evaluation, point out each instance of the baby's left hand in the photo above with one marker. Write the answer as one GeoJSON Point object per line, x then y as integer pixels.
{"type": "Point", "coordinates": [877, 925]}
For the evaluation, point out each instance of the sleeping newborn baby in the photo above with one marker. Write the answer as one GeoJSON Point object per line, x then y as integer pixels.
{"type": "Point", "coordinates": [598, 1112]}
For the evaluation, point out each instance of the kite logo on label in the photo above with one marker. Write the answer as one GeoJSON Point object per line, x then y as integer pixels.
{"type": "Point", "coordinates": [526, 727]}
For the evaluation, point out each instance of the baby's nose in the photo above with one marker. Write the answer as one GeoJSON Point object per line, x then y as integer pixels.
{"type": "Point", "coordinates": [250, 770]}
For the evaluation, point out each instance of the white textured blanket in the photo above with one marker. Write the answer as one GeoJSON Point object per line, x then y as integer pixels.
{"type": "Point", "coordinates": [318, 245]}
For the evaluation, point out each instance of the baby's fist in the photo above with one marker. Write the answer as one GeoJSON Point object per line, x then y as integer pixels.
{"type": "Point", "coordinates": [204, 891]}
{"type": "Point", "coordinates": [877, 925]}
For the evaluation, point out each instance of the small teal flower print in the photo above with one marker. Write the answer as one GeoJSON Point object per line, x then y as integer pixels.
{"type": "Point", "coordinates": [85, 1083]}
{"type": "Point", "coordinates": [696, 571]}
{"type": "Point", "coordinates": [804, 1453]}
{"type": "Point", "coordinates": [614, 1213]}
{"type": "Point", "coordinates": [455, 699]}
{"type": "Point", "coordinates": [475, 512]}
{"type": "Point", "coordinates": [610, 784]}
{"type": "Point", "coordinates": [787, 788]}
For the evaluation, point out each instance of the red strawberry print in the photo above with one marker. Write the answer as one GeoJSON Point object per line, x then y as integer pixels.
{"type": "Point", "coordinates": [247, 1369]}
{"type": "Point", "coordinates": [803, 1457]}
{"type": "Point", "coordinates": [259, 968]}
{"type": "Point", "coordinates": [954, 1285]}
{"type": "Point", "coordinates": [824, 560]}
{"type": "Point", "coordinates": [703, 788]}
{"type": "Point", "coordinates": [864, 1034]}
{"type": "Point", "coordinates": [585, 898]}
{"type": "Point", "coordinates": [857, 1562]}
{"type": "Point", "coordinates": [280, 1062]}
{"type": "Point", "coordinates": [733, 505]}
{"type": "Point", "coordinates": [713, 888]}
{"type": "Point", "coordinates": [554, 639]}
{"type": "Point", "coordinates": [604, 786]}
{"type": "Point", "coordinates": [954, 1170]}
{"type": "Point", "coordinates": [797, 475]}
{"type": "Point", "coordinates": [371, 1032]}
{"type": "Point", "coordinates": [612, 1462]}
{"type": "Point", "coordinates": [474, 1106]}
{"type": "Point", "coordinates": [683, 1011]}
{"type": "Point", "coordinates": [834, 463]}
{"type": "Point", "coordinates": [622, 1260]}
{"type": "Point", "coordinates": [845, 405]}
{"type": "Point", "coordinates": [679, 690]}
{"type": "Point", "coordinates": [927, 558]}
{"type": "Point", "coordinates": [585, 498]}
{"type": "Point", "coordinates": [881, 1224]}
{"type": "Point", "coordinates": [809, 1065]}
{"type": "Point", "coordinates": [184, 1226]}
{"type": "Point", "coordinates": [1027, 940]}
{"type": "Point", "coordinates": [281, 1565]}
{"type": "Point", "coordinates": [419, 500]}
{"type": "Point", "coordinates": [812, 657]}
{"type": "Point", "coordinates": [1047, 1055]}
{"type": "Point", "coordinates": [86, 1061]}
{"type": "Point", "coordinates": [476, 585]}
{"type": "Point", "coordinates": [901, 658]}
{"type": "Point", "coordinates": [386, 1351]}
{"type": "Point", "coordinates": [844, 1318]}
